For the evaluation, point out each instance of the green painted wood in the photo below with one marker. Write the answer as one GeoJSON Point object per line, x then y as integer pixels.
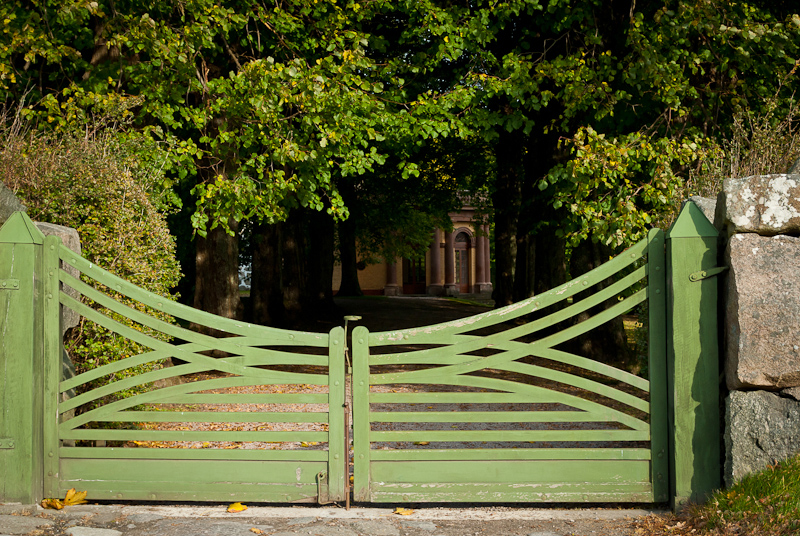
{"type": "Point", "coordinates": [512, 471]}
{"type": "Point", "coordinates": [217, 492]}
{"type": "Point", "coordinates": [657, 363]}
{"type": "Point", "coordinates": [120, 453]}
{"type": "Point", "coordinates": [194, 472]}
{"type": "Point", "coordinates": [510, 435]}
{"type": "Point", "coordinates": [550, 454]}
{"type": "Point", "coordinates": [465, 415]}
{"type": "Point", "coordinates": [214, 416]}
{"type": "Point", "coordinates": [693, 358]}
{"type": "Point", "coordinates": [53, 348]}
{"type": "Point", "coordinates": [278, 336]}
{"type": "Point", "coordinates": [338, 452]}
{"type": "Point", "coordinates": [361, 428]}
{"type": "Point", "coordinates": [189, 435]}
{"type": "Point", "coordinates": [446, 333]}
{"type": "Point", "coordinates": [227, 398]}
{"type": "Point", "coordinates": [21, 361]}
{"type": "Point", "coordinates": [505, 493]}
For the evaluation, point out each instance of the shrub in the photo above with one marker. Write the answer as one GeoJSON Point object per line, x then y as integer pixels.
{"type": "Point", "coordinates": [94, 180]}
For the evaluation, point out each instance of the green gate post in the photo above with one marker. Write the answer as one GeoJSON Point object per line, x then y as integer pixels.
{"type": "Point", "coordinates": [693, 357]}
{"type": "Point", "coordinates": [21, 454]}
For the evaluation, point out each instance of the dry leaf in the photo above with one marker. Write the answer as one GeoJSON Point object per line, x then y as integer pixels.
{"type": "Point", "coordinates": [403, 511]}
{"type": "Point", "coordinates": [236, 507]}
{"type": "Point", "coordinates": [74, 497]}
{"type": "Point", "coordinates": [256, 531]}
{"type": "Point", "coordinates": [52, 504]}
{"type": "Point", "coordinates": [422, 442]}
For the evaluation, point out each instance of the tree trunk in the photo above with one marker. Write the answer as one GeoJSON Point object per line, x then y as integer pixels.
{"type": "Point", "coordinates": [506, 202]}
{"type": "Point", "coordinates": [349, 285]}
{"type": "Point", "coordinates": [294, 266]}
{"type": "Point", "coordinates": [266, 290]}
{"type": "Point", "coordinates": [217, 280]}
{"type": "Point", "coordinates": [319, 294]}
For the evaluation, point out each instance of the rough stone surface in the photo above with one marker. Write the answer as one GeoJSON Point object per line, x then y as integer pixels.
{"type": "Point", "coordinates": [707, 204]}
{"type": "Point", "coordinates": [762, 312]}
{"type": "Point", "coordinates": [760, 428]}
{"type": "Point", "coordinates": [89, 531]}
{"type": "Point", "coordinates": [375, 528]}
{"type": "Point", "coordinates": [791, 392]}
{"type": "Point", "coordinates": [22, 524]}
{"type": "Point", "coordinates": [764, 204]}
{"type": "Point", "coordinates": [9, 203]}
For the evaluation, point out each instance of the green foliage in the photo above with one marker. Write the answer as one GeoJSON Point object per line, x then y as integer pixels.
{"type": "Point", "coordinates": [99, 185]}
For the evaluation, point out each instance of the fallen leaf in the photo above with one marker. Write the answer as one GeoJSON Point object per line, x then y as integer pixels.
{"type": "Point", "coordinates": [422, 442]}
{"type": "Point", "coordinates": [74, 497]}
{"type": "Point", "coordinates": [256, 531]}
{"type": "Point", "coordinates": [52, 504]}
{"type": "Point", "coordinates": [403, 511]}
{"type": "Point", "coordinates": [236, 507]}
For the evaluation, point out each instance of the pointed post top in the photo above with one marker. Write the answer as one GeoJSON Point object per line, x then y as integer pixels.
{"type": "Point", "coordinates": [692, 223]}
{"type": "Point", "coordinates": [19, 229]}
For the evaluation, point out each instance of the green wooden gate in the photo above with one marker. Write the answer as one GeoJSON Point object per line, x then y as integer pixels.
{"type": "Point", "coordinates": [495, 407]}
{"type": "Point", "coordinates": [507, 416]}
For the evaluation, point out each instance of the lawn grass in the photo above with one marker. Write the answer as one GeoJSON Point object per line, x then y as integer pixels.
{"type": "Point", "coordinates": [762, 504]}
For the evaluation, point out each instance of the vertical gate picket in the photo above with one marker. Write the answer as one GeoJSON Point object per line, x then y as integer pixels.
{"type": "Point", "coordinates": [53, 348]}
{"type": "Point", "coordinates": [657, 366]}
{"type": "Point", "coordinates": [361, 426]}
{"type": "Point", "coordinates": [338, 452]}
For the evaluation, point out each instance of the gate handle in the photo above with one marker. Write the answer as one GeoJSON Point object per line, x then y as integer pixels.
{"type": "Point", "coordinates": [705, 274]}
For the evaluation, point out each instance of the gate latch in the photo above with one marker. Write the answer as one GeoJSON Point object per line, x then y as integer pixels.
{"type": "Point", "coordinates": [6, 443]}
{"type": "Point", "coordinates": [323, 497]}
{"type": "Point", "coordinates": [705, 274]}
{"type": "Point", "coordinates": [9, 284]}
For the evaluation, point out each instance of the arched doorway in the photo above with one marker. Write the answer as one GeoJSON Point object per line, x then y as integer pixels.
{"type": "Point", "coordinates": [414, 276]}
{"type": "Point", "coordinates": [462, 246]}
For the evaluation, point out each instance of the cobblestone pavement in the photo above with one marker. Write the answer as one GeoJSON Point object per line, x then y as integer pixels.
{"type": "Point", "coordinates": [214, 520]}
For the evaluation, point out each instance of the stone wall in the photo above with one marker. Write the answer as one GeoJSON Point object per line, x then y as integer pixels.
{"type": "Point", "coordinates": [760, 219]}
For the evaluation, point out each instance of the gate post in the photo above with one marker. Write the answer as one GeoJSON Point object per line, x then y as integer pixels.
{"type": "Point", "coordinates": [21, 359]}
{"type": "Point", "coordinates": [693, 357]}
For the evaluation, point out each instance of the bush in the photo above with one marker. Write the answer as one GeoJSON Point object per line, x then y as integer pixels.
{"type": "Point", "coordinates": [94, 180]}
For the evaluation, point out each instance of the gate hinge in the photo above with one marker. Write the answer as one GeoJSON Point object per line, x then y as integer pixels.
{"type": "Point", "coordinates": [705, 274]}
{"type": "Point", "coordinates": [6, 443]}
{"type": "Point", "coordinates": [9, 284]}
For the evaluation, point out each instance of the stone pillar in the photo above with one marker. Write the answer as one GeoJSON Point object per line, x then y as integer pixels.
{"type": "Point", "coordinates": [391, 288]}
{"type": "Point", "coordinates": [450, 287]}
{"type": "Point", "coordinates": [435, 286]}
{"type": "Point", "coordinates": [761, 216]}
{"type": "Point", "coordinates": [480, 262]}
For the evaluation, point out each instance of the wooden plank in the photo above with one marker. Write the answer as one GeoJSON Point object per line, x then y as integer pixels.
{"type": "Point", "coordinates": [53, 348]}
{"type": "Point", "coordinates": [188, 474]}
{"type": "Point", "coordinates": [518, 471]}
{"type": "Point", "coordinates": [511, 435]}
{"type": "Point", "coordinates": [657, 363]}
{"type": "Point", "coordinates": [338, 452]}
{"type": "Point", "coordinates": [143, 453]}
{"type": "Point", "coordinates": [693, 357]}
{"type": "Point", "coordinates": [250, 492]}
{"type": "Point", "coordinates": [181, 435]}
{"type": "Point", "coordinates": [505, 493]}
{"type": "Point", "coordinates": [510, 454]}
{"type": "Point", "coordinates": [214, 416]}
{"type": "Point", "coordinates": [505, 416]}
{"type": "Point", "coordinates": [236, 327]}
{"type": "Point", "coordinates": [235, 398]}
{"type": "Point", "coordinates": [361, 427]}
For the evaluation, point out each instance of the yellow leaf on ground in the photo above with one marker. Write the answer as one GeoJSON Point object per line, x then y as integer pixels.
{"type": "Point", "coordinates": [403, 511]}
{"type": "Point", "coordinates": [52, 504]}
{"type": "Point", "coordinates": [422, 442]}
{"type": "Point", "coordinates": [236, 507]}
{"type": "Point", "coordinates": [74, 497]}
{"type": "Point", "coordinates": [256, 531]}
